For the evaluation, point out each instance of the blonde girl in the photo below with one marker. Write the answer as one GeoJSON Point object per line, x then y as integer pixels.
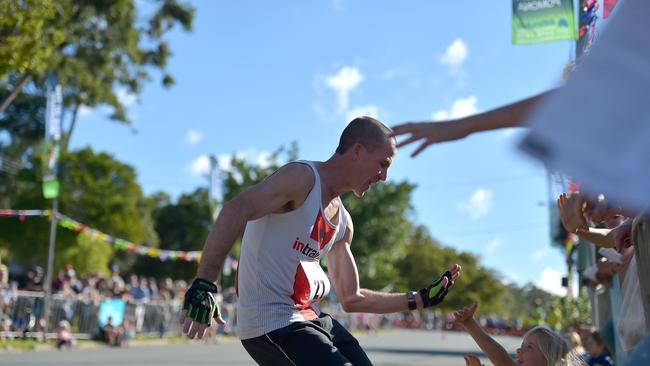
{"type": "Point", "coordinates": [541, 345]}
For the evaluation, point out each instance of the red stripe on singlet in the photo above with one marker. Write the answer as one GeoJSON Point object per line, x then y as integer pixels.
{"type": "Point", "coordinates": [301, 294]}
{"type": "Point", "coordinates": [322, 231]}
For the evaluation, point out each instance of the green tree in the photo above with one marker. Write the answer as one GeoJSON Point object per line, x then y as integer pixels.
{"type": "Point", "coordinates": [98, 191]}
{"type": "Point", "coordinates": [91, 46]}
{"type": "Point", "coordinates": [94, 47]}
{"type": "Point", "coordinates": [183, 226]}
{"type": "Point", "coordinates": [381, 230]}
{"type": "Point", "coordinates": [28, 41]}
{"type": "Point", "coordinates": [426, 260]}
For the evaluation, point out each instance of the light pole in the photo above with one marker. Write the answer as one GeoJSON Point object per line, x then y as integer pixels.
{"type": "Point", "coordinates": [53, 112]}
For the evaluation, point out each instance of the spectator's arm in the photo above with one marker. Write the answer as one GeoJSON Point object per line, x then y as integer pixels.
{"type": "Point", "coordinates": [603, 238]}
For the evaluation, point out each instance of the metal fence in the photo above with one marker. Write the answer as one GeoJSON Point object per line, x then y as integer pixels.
{"type": "Point", "coordinates": [24, 310]}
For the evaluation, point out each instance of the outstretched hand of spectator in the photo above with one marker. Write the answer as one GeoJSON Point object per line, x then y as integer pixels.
{"type": "Point", "coordinates": [471, 360]}
{"type": "Point", "coordinates": [463, 316]}
{"type": "Point", "coordinates": [429, 133]}
{"type": "Point", "coordinates": [571, 213]}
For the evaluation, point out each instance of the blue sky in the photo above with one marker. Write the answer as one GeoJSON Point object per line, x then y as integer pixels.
{"type": "Point", "coordinates": [253, 77]}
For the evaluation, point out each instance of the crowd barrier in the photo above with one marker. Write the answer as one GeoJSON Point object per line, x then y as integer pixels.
{"type": "Point", "coordinates": [86, 316]}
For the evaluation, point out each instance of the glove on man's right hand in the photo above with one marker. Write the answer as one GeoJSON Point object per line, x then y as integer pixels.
{"type": "Point", "coordinates": [200, 301]}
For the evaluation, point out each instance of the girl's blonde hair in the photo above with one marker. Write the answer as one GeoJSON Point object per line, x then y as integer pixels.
{"type": "Point", "coordinates": [554, 347]}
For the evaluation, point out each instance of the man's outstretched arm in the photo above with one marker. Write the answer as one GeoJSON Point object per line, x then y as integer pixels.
{"type": "Point", "coordinates": [342, 270]}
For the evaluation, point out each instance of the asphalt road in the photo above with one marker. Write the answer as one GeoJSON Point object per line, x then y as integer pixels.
{"type": "Point", "coordinates": [389, 348]}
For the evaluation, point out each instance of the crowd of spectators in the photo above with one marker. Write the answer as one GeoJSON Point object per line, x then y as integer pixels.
{"type": "Point", "coordinates": [22, 305]}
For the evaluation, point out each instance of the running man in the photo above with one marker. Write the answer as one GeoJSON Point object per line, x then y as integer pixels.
{"type": "Point", "coordinates": [290, 221]}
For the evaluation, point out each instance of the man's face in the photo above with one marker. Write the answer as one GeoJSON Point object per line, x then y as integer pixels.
{"type": "Point", "coordinates": [372, 166]}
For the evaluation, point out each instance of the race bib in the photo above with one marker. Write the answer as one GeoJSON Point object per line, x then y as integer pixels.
{"type": "Point", "coordinates": [319, 284]}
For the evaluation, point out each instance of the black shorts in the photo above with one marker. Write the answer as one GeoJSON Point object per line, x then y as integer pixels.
{"type": "Point", "coordinates": [322, 341]}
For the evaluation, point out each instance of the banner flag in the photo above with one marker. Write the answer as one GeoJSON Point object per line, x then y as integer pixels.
{"type": "Point", "coordinates": [52, 145]}
{"type": "Point", "coordinates": [538, 21]}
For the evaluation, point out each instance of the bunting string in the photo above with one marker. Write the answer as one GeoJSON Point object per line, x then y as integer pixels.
{"type": "Point", "coordinates": [118, 243]}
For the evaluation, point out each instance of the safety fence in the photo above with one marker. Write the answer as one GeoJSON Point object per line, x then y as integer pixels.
{"type": "Point", "coordinates": [22, 316]}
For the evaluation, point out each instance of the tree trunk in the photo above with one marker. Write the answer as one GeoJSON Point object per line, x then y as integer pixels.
{"type": "Point", "coordinates": [23, 80]}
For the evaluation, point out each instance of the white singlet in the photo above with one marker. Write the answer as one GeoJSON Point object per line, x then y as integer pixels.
{"type": "Point", "coordinates": [279, 278]}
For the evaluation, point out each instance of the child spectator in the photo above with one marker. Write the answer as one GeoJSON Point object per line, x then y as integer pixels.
{"type": "Point", "coordinates": [541, 345]}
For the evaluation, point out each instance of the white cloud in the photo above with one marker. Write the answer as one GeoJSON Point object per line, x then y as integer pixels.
{"type": "Point", "coordinates": [126, 98]}
{"type": "Point", "coordinates": [193, 137]}
{"type": "Point", "coordinates": [440, 115]}
{"type": "Point", "coordinates": [455, 54]}
{"type": "Point", "coordinates": [478, 204]}
{"type": "Point", "coordinates": [462, 107]}
{"type": "Point", "coordinates": [493, 245]}
{"type": "Point", "coordinates": [551, 281]}
{"type": "Point", "coordinates": [84, 110]}
{"type": "Point", "coordinates": [200, 166]}
{"type": "Point", "coordinates": [263, 159]}
{"type": "Point", "coordinates": [369, 110]}
{"type": "Point", "coordinates": [540, 254]}
{"type": "Point", "coordinates": [346, 80]}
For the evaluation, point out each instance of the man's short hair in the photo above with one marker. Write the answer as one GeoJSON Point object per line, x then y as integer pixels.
{"type": "Point", "coordinates": [366, 131]}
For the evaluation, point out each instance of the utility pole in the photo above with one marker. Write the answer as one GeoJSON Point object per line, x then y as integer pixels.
{"type": "Point", "coordinates": [53, 115]}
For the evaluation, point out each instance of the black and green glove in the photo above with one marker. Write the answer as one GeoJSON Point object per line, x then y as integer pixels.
{"type": "Point", "coordinates": [200, 301]}
{"type": "Point", "coordinates": [434, 294]}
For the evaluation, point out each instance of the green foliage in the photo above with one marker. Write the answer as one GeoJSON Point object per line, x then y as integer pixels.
{"type": "Point", "coordinates": [105, 48]}
{"type": "Point", "coordinates": [574, 312]}
{"type": "Point", "coordinates": [381, 229]}
{"type": "Point", "coordinates": [516, 303]}
{"type": "Point", "coordinates": [103, 192]}
{"type": "Point", "coordinates": [87, 255]}
{"type": "Point", "coordinates": [426, 260]}
{"type": "Point", "coordinates": [28, 42]}
{"type": "Point", "coordinates": [96, 190]}
{"type": "Point", "coordinates": [93, 47]}
{"type": "Point", "coordinates": [183, 225]}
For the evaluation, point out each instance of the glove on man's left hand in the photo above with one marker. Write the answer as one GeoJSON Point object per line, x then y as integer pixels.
{"type": "Point", "coordinates": [436, 292]}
